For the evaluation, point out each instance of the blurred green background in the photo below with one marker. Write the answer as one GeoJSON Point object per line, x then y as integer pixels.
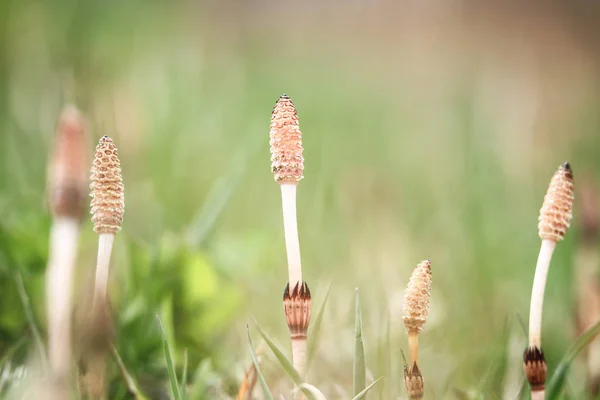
{"type": "Point", "coordinates": [431, 130]}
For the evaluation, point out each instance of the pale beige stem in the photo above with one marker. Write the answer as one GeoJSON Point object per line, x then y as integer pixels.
{"type": "Point", "coordinates": [413, 347]}
{"type": "Point", "coordinates": [290, 226]}
{"type": "Point", "coordinates": [537, 293]}
{"type": "Point", "coordinates": [105, 245]}
{"type": "Point", "coordinates": [299, 351]}
{"type": "Point", "coordinates": [63, 253]}
{"type": "Point", "coordinates": [538, 395]}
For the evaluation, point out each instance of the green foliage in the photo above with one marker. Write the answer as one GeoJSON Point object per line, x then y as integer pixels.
{"type": "Point", "coordinates": [170, 365]}
{"type": "Point", "coordinates": [261, 378]}
{"type": "Point", "coordinates": [359, 367]}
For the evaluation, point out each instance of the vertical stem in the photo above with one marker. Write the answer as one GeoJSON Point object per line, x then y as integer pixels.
{"type": "Point", "coordinates": [537, 293]}
{"type": "Point", "coordinates": [59, 278]}
{"type": "Point", "coordinates": [105, 244]}
{"type": "Point", "coordinates": [538, 395]}
{"type": "Point", "coordinates": [299, 355]}
{"type": "Point", "coordinates": [290, 226]}
{"type": "Point", "coordinates": [413, 348]}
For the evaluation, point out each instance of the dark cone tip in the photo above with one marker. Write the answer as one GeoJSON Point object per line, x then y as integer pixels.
{"type": "Point", "coordinates": [567, 167]}
{"type": "Point", "coordinates": [535, 368]}
{"type": "Point", "coordinates": [532, 354]}
{"type": "Point", "coordinates": [301, 291]}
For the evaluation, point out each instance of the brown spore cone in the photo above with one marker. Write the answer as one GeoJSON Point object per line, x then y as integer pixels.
{"type": "Point", "coordinates": [557, 210]}
{"type": "Point", "coordinates": [287, 162]}
{"type": "Point", "coordinates": [107, 192]}
{"type": "Point", "coordinates": [416, 298]}
{"type": "Point", "coordinates": [69, 163]}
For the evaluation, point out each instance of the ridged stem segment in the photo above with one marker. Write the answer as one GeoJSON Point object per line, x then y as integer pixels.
{"type": "Point", "coordinates": [554, 220]}
{"type": "Point", "coordinates": [297, 309]}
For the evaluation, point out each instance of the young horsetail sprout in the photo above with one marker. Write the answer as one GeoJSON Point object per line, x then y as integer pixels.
{"type": "Point", "coordinates": [555, 218]}
{"type": "Point", "coordinates": [287, 165]}
{"type": "Point", "coordinates": [416, 308]}
{"type": "Point", "coordinates": [107, 206]}
{"type": "Point", "coordinates": [67, 181]}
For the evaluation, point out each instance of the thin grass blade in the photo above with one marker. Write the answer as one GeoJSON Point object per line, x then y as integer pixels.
{"type": "Point", "coordinates": [359, 370]}
{"type": "Point", "coordinates": [283, 360]}
{"type": "Point", "coordinates": [363, 393]}
{"type": "Point", "coordinates": [313, 337]}
{"type": "Point", "coordinates": [170, 365]}
{"type": "Point", "coordinates": [29, 315]}
{"type": "Point", "coordinates": [558, 379]}
{"type": "Point", "coordinates": [261, 378]}
{"type": "Point", "coordinates": [312, 391]}
{"type": "Point", "coordinates": [132, 385]}
{"type": "Point", "coordinates": [184, 393]}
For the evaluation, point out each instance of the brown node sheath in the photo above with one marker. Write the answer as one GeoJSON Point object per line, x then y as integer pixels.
{"type": "Point", "coordinates": [287, 162]}
{"type": "Point", "coordinates": [535, 367]}
{"type": "Point", "coordinates": [557, 209]}
{"type": "Point", "coordinates": [108, 200]}
{"type": "Point", "coordinates": [416, 298]}
{"type": "Point", "coordinates": [413, 380]}
{"type": "Point", "coordinates": [297, 305]}
{"type": "Point", "coordinates": [69, 163]}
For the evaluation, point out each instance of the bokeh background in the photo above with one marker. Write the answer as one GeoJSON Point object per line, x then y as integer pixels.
{"type": "Point", "coordinates": [431, 130]}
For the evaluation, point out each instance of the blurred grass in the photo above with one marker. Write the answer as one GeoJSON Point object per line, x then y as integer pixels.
{"type": "Point", "coordinates": [421, 141]}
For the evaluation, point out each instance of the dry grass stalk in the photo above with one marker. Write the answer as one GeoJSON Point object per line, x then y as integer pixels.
{"type": "Point", "coordinates": [67, 183]}
{"type": "Point", "coordinates": [287, 165]}
{"type": "Point", "coordinates": [587, 260]}
{"type": "Point", "coordinates": [416, 309]}
{"type": "Point", "coordinates": [249, 382]}
{"type": "Point", "coordinates": [554, 220]}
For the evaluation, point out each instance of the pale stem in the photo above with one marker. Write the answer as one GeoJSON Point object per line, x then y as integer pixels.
{"type": "Point", "coordinates": [64, 235]}
{"type": "Point", "coordinates": [290, 226]}
{"type": "Point", "coordinates": [537, 293]}
{"type": "Point", "coordinates": [299, 359]}
{"type": "Point", "coordinates": [538, 395]}
{"type": "Point", "coordinates": [105, 244]}
{"type": "Point", "coordinates": [413, 348]}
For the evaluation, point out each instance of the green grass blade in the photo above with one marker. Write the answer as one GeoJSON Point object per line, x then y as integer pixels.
{"type": "Point", "coordinates": [560, 374]}
{"type": "Point", "coordinates": [184, 393]}
{"type": "Point", "coordinates": [312, 391]}
{"type": "Point", "coordinates": [261, 378]}
{"type": "Point", "coordinates": [132, 385]}
{"type": "Point", "coordinates": [283, 360]}
{"type": "Point", "coordinates": [31, 320]}
{"type": "Point", "coordinates": [363, 393]}
{"type": "Point", "coordinates": [285, 363]}
{"type": "Point", "coordinates": [313, 336]}
{"type": "Point", "coordinates": [359, 370]}
{"type": "Point", "coordinates": [170, 366]}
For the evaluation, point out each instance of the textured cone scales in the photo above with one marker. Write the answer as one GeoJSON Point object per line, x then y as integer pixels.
{"type": "Point", "coordinates": [535, 368]}
{"type": "Point", "coordinates": [67, 173]}
{"type": "Point", "coordinates": [287, 162]}
{"type": "Point", "coordinates": [416, 298]}
{"type": "Point", "coordinates": [297, 305]}
{"type": "Point", "coordinates": [413, 380]}
{"type": "Point", "coordinates": [107, 193]}
{"type": "Point", "coordinates": [556, 212]}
